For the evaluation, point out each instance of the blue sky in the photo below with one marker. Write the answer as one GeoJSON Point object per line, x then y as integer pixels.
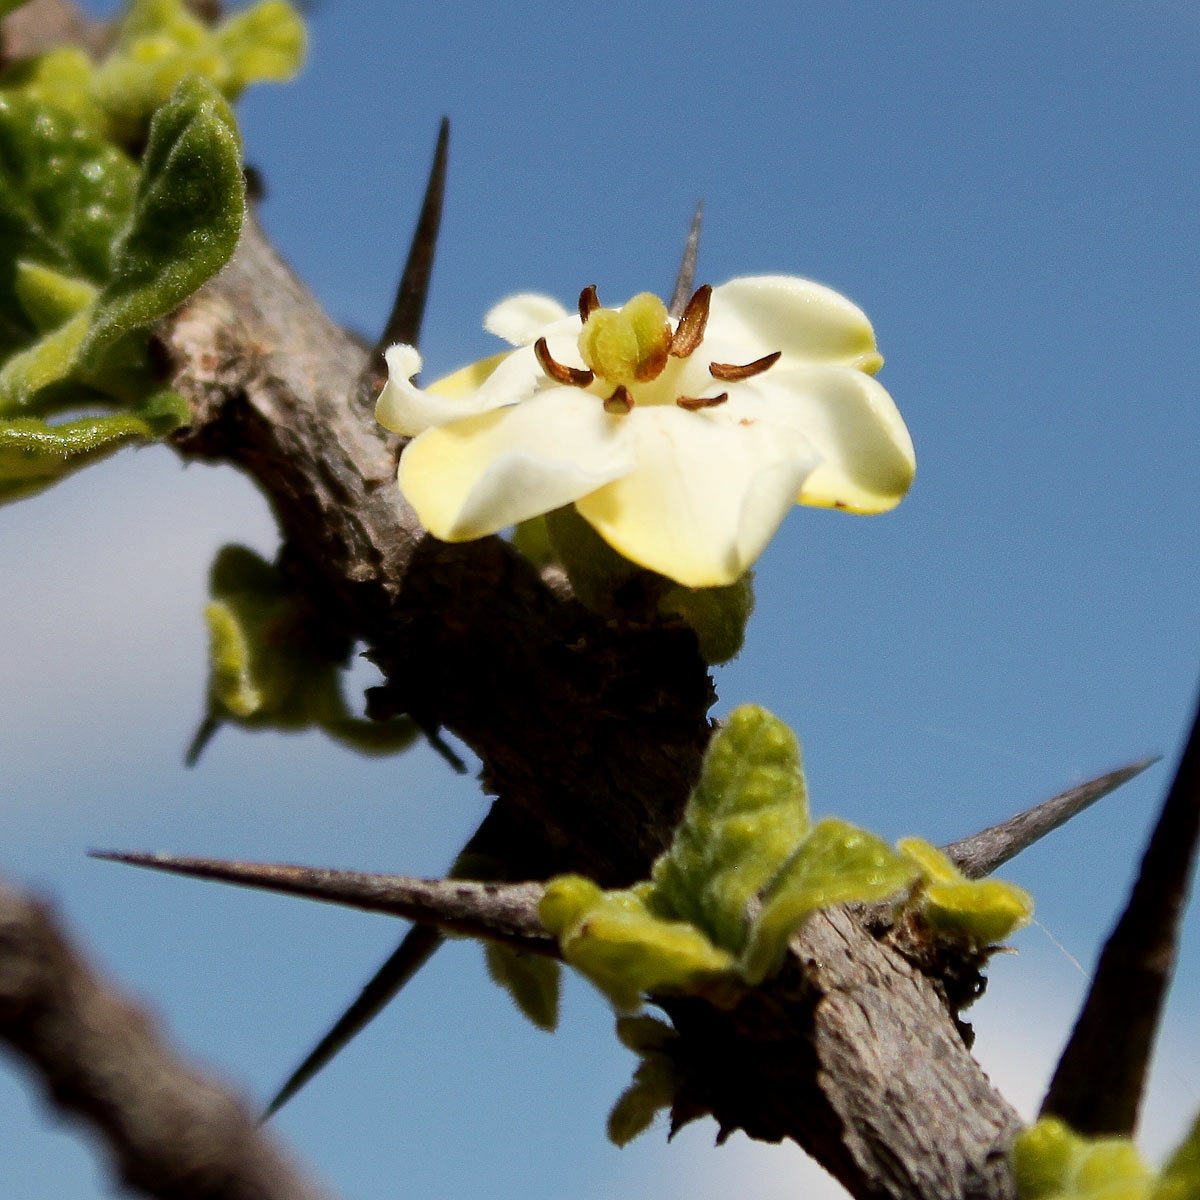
{"type": "Point", "coordinates": [1010, 191]}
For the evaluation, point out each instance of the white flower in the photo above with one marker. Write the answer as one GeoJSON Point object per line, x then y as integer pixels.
{"type": "Point", "coordinates": [682, 443]}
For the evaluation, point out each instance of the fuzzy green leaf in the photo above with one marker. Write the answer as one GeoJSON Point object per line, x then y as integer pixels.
{"type": "Point", "coordinates": [653, 1089]}
{"type": "Point", "coordinates": [626, 951]}
{"type": "Point", "coordinates": [264, 42]}
{"type": "Point", "coordinates": [532, 980]}
{"type": "Point", "coordinates": [985, 910]}
{"type": "Point", "coordinates": [1051, 1162]}
{"type": "Point", "coordinates": [837, 864]}
{"type": "Point", "coordinates": [266, 668]}
{"type": "Point", "coordinates": [7, 6]}
{"type": "Point", "coordinates": [64, 195]}
{"type": "Point", "coordinates": [63, 77]}
{"type": "Point", "coordinates": [186, 218]}
{"type": "Point", "coordinates": [159, 43]}
{"type": "Point", "coordinates": [745, 818]}
{"type": "Point", "coordinates": [35, 454]}
{"type": "Point", "coordinates": [50, 359]}
{"type": "Point", "coordinates": [717, 614]}
{"type": "Point", "coordinates": [49, 297]}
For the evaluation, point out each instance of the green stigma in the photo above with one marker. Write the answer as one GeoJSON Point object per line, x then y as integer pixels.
{"type": "Point", "coordinates": [627, 345]}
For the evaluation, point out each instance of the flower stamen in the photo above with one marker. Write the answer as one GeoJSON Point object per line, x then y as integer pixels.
{"type": "Point", "coordinates": [692, 403]}
{"type": "Point", "coordinates": [729, 373]}
{"type": "Point", "coordinates": [620, 402]}
{"type": "Point", "coordinates": [560, 372]}
{"type": "Point", "coordinates": [588, 302]}
{"type": "Point", "coordinates": [689, 333]}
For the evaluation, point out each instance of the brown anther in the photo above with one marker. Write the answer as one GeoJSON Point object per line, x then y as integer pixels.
{"type": "Point", "coordinates": [588, 302]}
{"type": "Point", "coordinates": [560, 372]}
{"type": "Point", "coordinates": [689, 333]}
{"type": "Point", "coordinates": [692, 403]}
{"type": "Point", "coordinates": [620, 402]}
{"type": "Point", "coordinates": [728, 373]}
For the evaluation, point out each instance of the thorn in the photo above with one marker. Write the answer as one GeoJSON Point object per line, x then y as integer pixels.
{"type": "Point", "coordinates": [685, 281]}
{"type": "Point", "coordinates": [981, 853]}
{"type": "Point", "coordinates": [443, 749]}
{"type": "Point", "coordinates": [204, 734]}
{"type": "Point", "coordinates": [408, 309]}
{"type": "Point", "coordinates": [505, 912]}
{"type": "Point", "coordinates": [415, 950]}
{"type": "Point", "coordinates": [1097, 1085]}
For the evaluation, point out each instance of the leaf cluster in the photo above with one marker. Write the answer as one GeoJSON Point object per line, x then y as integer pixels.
{"type": "Point", "coordinates": [93, 250]}
{"type": "Point", "coordinates": [268, 666]}
{"type": "Point", "coordinates": [156, 45]}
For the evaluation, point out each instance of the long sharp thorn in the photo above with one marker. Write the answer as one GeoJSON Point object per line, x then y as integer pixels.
{"type": "Point", "coordinates": [415, 950]}
{"type": "Point", "coordinates": [685, 281]}
{"type": "Point", "coordinates": [506, 912]}
{"type": "Point", "coordinates": [1097, 1085]}
{"type": "Point", "coordinates": [981, 853]}
{"type": "Point", "coordinates": [408, 309]}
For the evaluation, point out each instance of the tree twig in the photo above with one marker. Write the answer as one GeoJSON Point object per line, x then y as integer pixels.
{"type": "Point", "coordinates": [173, 1132]}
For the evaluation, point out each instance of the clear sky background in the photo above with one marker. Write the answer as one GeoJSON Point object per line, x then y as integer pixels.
{"type": "Point", "coordinates": [1010, 192]}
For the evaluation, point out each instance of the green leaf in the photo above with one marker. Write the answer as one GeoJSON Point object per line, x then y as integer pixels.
{"type": "Point", "coordinates": [744, 820]}
{"type": "Point", "coordinates": [653, 1088]}
{"type": "Point", "coordinates": [626, 951]}
{"type": "Point", "coordinates": [837, 864]}
{"type": "Point", "coordinates": [35, 454]}
{"type": "Point", "coordinates": [49, 297]}
{"type": "Point", "coordinates": [532, 980]}
{"type": "Point", "coordinates": [64, 194]}
{"type": "Point", "coordinates": [64, 78]}
{"type": "Point", "coordinates": [267, 668]}
{"type": "Point", "coordinates": [985, 910]}
{"type": "Point", "coordinates": [50, 359]}
{"type": "Point", "coordinates": [1180, 1178]}
{"type": "Point", "coordinates": [7, 6]}
{"type": "Point", "coordinates": [267, 41]}
{"type": "Point", "coordinates": [717, 614]}
{"type": "Point", "coordinates": [186, 218]}
{"type": "Point", "coordinates": [1052, 1162]}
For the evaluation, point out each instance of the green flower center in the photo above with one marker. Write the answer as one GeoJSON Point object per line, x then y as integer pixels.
{"type": "Point", "coordinates": [631, 345]}
{"type": "Point", "coordinates": [627, 345]}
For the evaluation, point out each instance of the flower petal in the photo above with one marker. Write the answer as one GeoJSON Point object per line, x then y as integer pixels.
{"type": "Point", "coordinates": [805, 320]}
{"type": "Point", "coordinates": [476, 476]}
{"type": "Point", "coordinates": [522, 319]}
{"type": "Point", "coordinates": [405, 408]}
{"type": "Point", "coordinates": [706, 495]}
{"type": "Point", "coordinates": [867, 459]}
{"type": "Point", "coordinates": [467, 379]}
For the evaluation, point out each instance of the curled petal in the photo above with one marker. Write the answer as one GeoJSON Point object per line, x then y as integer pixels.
{"type": "Point", "coordinates": [808, 322]}
{"type": "Point", "coordinates": [705, 497]}
{"type": "Point", "coordinates": [867, 459]}
{"type": "Point", "coordinates": [479, 475]}
{"type": "Point", "coordinates": [522, 319]}
{"type": "Point", "coordinates": [405, 408]}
